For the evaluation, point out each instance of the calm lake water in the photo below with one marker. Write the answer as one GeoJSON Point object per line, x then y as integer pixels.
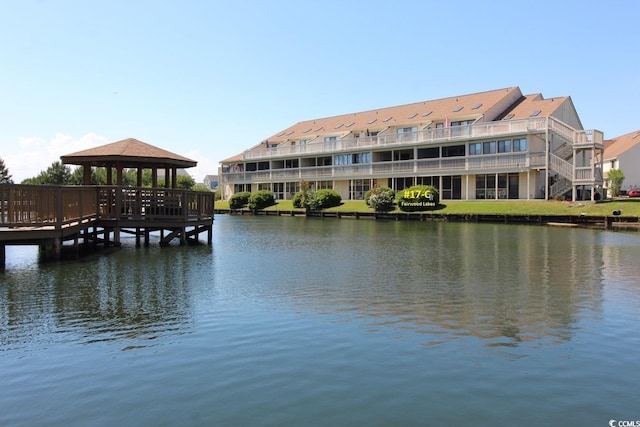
{"type": "Point", "coordinates": [327, 322]}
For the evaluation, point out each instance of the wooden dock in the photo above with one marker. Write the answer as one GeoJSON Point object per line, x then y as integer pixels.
{"type": "Point", "coordinates": [67, 217]}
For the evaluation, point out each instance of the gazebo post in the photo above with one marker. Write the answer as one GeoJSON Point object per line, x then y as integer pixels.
{"type": "Point", "coordinates": [109, 174]}
{"type": "Point", "coordinates": [139, 183]}
{"type": "Point", "coordinates": [86, 173]}
{"type": "Point", "coordinates": [119, 175]}
{"type": "Point", "coordinates": [154, 177]}
{"type": "Point", "coordinates": [174, 176]}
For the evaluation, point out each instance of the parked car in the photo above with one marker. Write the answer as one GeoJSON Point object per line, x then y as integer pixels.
{"type": "Point", "coordinates": [634, 193]}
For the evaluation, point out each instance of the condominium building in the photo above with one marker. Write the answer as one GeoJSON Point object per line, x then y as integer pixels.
{"type": "Point", "coordinates": [498, 144]}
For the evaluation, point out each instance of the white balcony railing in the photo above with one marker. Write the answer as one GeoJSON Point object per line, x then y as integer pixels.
{"type": "Point", "coordinates": [481, 130]}
{"type": "Point", "coordinates": [514, 161]}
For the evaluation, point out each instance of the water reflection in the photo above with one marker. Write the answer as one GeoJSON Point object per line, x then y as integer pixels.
{"type": "Point", "coordinates": [130, 294]}
{"type": "Point", "coordinates": [501, 284]}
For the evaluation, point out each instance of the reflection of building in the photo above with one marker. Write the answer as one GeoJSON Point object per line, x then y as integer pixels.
{"type": "Point", "coordinates": [623, 153]}
{"type": "Point", "coordinates": [498, 144]}
{"type": "Point", "coordinates": [211, 181]}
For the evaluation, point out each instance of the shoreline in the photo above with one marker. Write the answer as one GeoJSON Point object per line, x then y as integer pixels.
{"type": "Point", "coordinates": [602, 222]}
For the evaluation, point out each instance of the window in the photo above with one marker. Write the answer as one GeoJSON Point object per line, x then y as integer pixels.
{"type": "Point", "coordinates": [403, 155]}
{"type": "Point", "coordinates": [342, 159]}
{"type": "Point", "coordinates": [475, 107]}
{"type": "Point", "coordinates": [278, 190]}
{"type": "Point", "coordinates": [520, 144]}
{"type": "Point", "coordinates": [534, 113]}
{"type": "Point", "coordinates": [505, 187]}
{"type": "Point", "coordinates": [427, 113]}
{"type": "Point", "coordinates": [358, 188]}
{"type": "Point", "coordinates": [387, 119]}
{"type": "Point", "coordinates": [412, 116]}
{"type": "Point", "coordinates": [361, 158]}
{"type": "Point", "coordinates": [372, 121]}
{"type": "Point", "coordinates": [330, 138]}
{"type": "Point", "coordinates": [504, 146]}
{"type": "Point", "coordinates": [429, 180]}
{"type": "Point", "coordinates": [324, 184]}
{"type": "Point", "coordinates": [458, 108]}
{"type": "Point", "coordinates": [462, 123]}
{"type": "Point", "coordinates": [402, 183]}
{"type": "Point", "coordinates": [292, 188]}
{"type": "Point", "coordinates": [339, 126]}
{"type": "Point", "coordinates": [486, 186]}
{"type": "Point", "coordinates": [508, 116]}
{"type": "Point", "coordinates": [407, 130]}
{"type": "Point", "coordinates": [292, 164]}
{"type": "Point", "coordinates": [453, 151]}
{"type": "Point", "coordinates": [451, 188]}
{"type": "Point", "coordinates": [489, 147]}
{"type": "Point", "coordinates": [429, 153]}
{"type": "Point", "coordinates": [475, 148]}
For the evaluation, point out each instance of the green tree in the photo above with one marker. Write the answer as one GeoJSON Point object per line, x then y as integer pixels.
{"type": "Point", "coordinates": [56, 174]}
{"type": "Point", "coordinates": [185, 181]}
{"type": "Point", "coordinates": [616, 178]}
{"type": "Point", "coordinates": [5, 176]}
{"type": "Point", "coordinates": [200, 187]}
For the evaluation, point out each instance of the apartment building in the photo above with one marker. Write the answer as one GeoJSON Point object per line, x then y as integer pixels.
{"type": "Point", "coordinates": [498, 144]}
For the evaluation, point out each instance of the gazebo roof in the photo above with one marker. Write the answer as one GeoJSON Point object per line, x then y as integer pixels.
{"type": "Point", "coordinates": [128, 153]}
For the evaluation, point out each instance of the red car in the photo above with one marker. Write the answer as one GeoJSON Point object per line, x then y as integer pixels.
{"type": "Point", "coordinates": [634, 193]}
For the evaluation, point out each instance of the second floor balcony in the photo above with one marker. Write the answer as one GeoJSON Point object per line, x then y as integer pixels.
{"type": "Point", "coordinates": [389, 139]}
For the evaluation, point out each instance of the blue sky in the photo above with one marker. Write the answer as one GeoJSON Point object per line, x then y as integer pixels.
{"type": "Point", "coordinates": [209, 79]}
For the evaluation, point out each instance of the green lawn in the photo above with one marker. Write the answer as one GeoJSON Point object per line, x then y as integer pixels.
{"type": "Point", "coordinates": [628, 207]}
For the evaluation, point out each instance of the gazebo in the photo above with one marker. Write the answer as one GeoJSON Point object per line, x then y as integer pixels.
{"type": "Point", "coordinates": [129, 154]}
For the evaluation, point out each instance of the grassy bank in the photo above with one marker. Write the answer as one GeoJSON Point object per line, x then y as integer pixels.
{"type": "Point", "coordinates": [627, 207]}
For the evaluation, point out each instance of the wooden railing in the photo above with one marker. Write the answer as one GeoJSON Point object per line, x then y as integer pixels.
{"type": "Point", "coordinates": [42, 205]}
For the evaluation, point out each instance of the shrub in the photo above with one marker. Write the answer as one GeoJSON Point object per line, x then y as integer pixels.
{"type": "Point", "coordinates": [298, 200]}
{"type": "Point", "coordinates": [261, 199]}
{"type": "Point", "coordinates": [418, 198]}
{"type": "Point", "coordinates": [327, 198]}
{"type": "Point", "coordinates": [381, 199]}
{"type": "Point", "coordinates": [239, 200]}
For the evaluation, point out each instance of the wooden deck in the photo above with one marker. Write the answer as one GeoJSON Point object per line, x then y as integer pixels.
{"type": "Point", "coordinates": [57, 216]}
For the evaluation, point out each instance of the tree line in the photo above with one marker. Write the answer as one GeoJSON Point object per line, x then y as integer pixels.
{"type": "Point", "coordinates": [59, 174]}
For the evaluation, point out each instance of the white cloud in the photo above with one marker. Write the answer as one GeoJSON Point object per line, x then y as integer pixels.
{"type": "Point", "coordinates": [31, 155]}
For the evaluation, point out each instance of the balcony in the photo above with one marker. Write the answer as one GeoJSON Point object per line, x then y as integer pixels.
{"type": "Point", "coordinates": [438, 166]}
{"type": "Point", "coordinates": [423, 137]}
